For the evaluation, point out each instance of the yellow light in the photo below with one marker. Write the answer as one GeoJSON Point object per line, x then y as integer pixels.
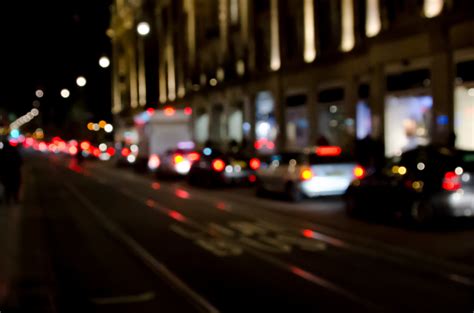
{"type": "Point", "coordinates": [102, 124]}
{"type": "Point", "coordinates": [306, 174]}
{"type": "Point", "coordinates": [417, 185]}
{"type": "Point", "coordinates": [433, 8]}
{"type": "Point", "coordinates": [373, 23]}
{"type": "Point", "coordinates": [309, 33]}
{"type": "Point", "coordinates": [348, 35]}
{"type": "Point", "coordinates": [402, 170]}
{"type": "Point", "coordinates": [90, 126]}
{"type": "Point", "coordinates": [395, 169]}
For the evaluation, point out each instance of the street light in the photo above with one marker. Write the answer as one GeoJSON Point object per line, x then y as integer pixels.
{"type": "Point", "coordinates": [39, 93]}
{"type": "Point", "coordinates": [65, 93]}
{"type": "Point", "coordinates": [81, 81]}
{"type": "Point", "coordinates": [104, 62]}
{"type": "Point", "coordinates": [143, 28]}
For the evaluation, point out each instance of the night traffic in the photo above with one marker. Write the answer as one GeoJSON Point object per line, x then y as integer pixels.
{"type": "Point", "coordinates": [237, 156]}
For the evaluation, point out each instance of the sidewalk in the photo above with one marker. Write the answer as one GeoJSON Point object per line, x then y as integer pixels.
{"type": "Point", "coordinates": [9, 242]}
{"type": "Point", "coordinates": [25, 276]}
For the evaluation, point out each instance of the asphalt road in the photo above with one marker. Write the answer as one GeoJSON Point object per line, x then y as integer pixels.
{"type": "Point", "coordinates": [112, 241]}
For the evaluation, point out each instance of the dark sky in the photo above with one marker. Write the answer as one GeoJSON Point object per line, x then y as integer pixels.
{"type": "Point", "coordinates": [47, 44]}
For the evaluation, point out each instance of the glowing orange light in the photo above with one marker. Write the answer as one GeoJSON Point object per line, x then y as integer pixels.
{"type": "Point", "coordinates": [169, 111]}
{"type": "Point", "coordinates": [218, 165]}
{"type": "Point", "coordinates": [126, 152]}
{"type": "Point", "coordinates": [306, 174]}
{"type": "Point", "coordinates": [255, 164]}
{"type": "Point", "coordinates": [178, 158]}
{"type": "Point", "coordinates": [176, 215]}
{"type": "Point", "coordinates": [359, 172]}
{"type": "Point", "coordinates": [194, 156]}
{"type": "Point", "coordinates": [328, 151]}
{"type": "Point", "coordinates": [151, 203]}
{"type": "Point", "coordinates": [85, 145]}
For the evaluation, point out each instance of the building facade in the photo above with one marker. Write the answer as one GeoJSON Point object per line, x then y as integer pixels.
{"type": "Point", "coordinates": [282, 74]}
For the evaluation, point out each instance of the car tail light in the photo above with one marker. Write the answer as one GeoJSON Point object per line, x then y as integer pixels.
{"type": "Point", "coordinates": [169, 111]}
{"type": "Point", "coordinates": [218, 165]}
{"type": "Point", "coordinates": [328, 151]}
{"type": "Point", "coordinates": [126, 152]}
{"type": "Point", "coordinates": [85, 145]}
{"type": "Point", "coordinates": [111, 151]}
{"type": "Point", "coordinates": [255, 164]}
{"type": "Point", "coordinates": [451, 181]}
{"type": "Point", "coordinates": [359, 172]}
{"type": "Point", "coordinates": [178, 158]}
{"type": "Point", "coordinates": [154, 162]}
{"type": "Point", "coordinates": [194, 156]}
{"type": "Point", "coordinates": [306, 174]}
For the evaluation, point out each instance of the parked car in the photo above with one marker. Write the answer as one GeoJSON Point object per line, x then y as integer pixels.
{"type": "Point", "coordinates": [216, 168]}
{"type": "Point", "coordinates": [317, 171]}
{"type": "Point", "coordinates": [423, 184]}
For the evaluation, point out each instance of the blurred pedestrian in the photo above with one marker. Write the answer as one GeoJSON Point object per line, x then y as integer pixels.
{"type": "Point", "coordinates": [10, 172]}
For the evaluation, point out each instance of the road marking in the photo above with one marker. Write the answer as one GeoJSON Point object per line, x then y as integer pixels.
{"type": "Point", "coordinates": [157, 267]}
{"type": "Point", "coordinates": [129, 299]}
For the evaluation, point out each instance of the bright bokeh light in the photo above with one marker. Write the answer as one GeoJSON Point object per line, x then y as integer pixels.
{"type": "Point", "coordinates": [154, 162]}
{"type": "Point", "coordinates": [143, 28]}
{"type": "Point", "coordinates": [433, 8]}
{"type": "Point", "coordinates": [65, 93]}
{"type": "Point", "coordinates": [359, 172]}
{"type": "Point", "coordinates": [104, 62]}
{"type": "Point", "coordinates": [306, 174]}
{"type": "Point", "coordinates": [169, 111]}
{"type": "Point", "coordinates": [309, 32]}
{"type": "Point", "coordinates": [102, 124]}
{"type": "Point", "coordinates": [373, 22]}
{"type": "Point", "coordinates": [108, 128]}
{"type": "Point", "coordinates": [81, 81]}
{"type": "Point", "coordinates": [218, 165]}
{"type": "Point", "coordinates": [348, 34]}
{"type": "Point", "coordinates": [39, 93]}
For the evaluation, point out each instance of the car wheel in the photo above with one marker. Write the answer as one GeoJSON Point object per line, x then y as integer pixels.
{"type": "Point", "coordinates": [421, 212]}
{"type": "Point", "coordinates": [293, 193]}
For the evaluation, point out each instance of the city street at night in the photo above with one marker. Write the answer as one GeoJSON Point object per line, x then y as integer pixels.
{"type": "Point", "coordinates": [222, 156]}
{"type": "Point", "coordinates": [99, 239]}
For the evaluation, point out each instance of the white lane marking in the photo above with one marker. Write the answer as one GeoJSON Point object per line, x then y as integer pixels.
{"type": "Point", "coordinates": [128, 299]}
{"type": "Point", "coordinates": [157, 267]}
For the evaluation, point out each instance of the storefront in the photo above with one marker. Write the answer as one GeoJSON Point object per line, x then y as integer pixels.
{"type": "Point", "coordinates": [297, 126]}
{"type": "Point", "coordinates": [266, 129]}
{"type": "Point", "coordinates": [408, 111]}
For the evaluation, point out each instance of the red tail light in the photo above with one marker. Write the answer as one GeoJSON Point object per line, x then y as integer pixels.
{"type": "Point", "coordinates": [359, 172]}
{"type": "Point", "coordinates": [111, 151]}
{"type": "Point", "coordinates": [328, 151]}
{"type": "Point", "coordinates": [169, 111]}
{"type": "Point", "coordinates": [451, 181]}
{"type": "Point", "coordinates": [218, 165]}
{"type": "Point", "coordinates": [126, 152]}
{"type": "Point", "coordinates": [254, 164]}
{"type": "Point", "coordinates": [193, 156]}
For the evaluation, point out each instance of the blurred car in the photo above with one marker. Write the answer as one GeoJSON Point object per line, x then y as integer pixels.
{"type": "Point", "coordinates": [216, 168]}
{"type": "Point", "coordinates": [174, 163]}
{"type": "Point", "coordinates": [317, 171]}
{"type": "Point", "coordinates": [423, 184]}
